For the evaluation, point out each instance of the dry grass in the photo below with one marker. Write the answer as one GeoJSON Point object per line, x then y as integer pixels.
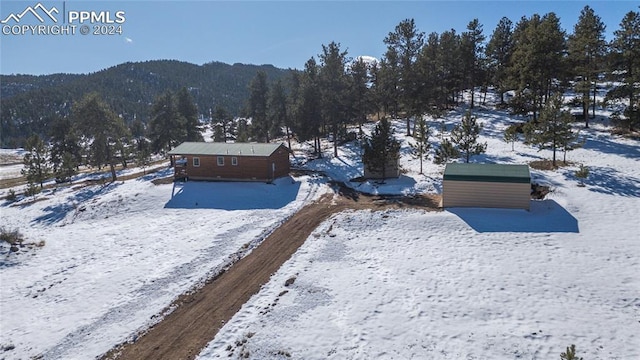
{"type": "Point", "coordinates": [548, 164]}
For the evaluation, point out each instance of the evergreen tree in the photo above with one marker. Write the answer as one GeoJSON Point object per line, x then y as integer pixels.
{"type": "Point", "coordinates": [498, 52]}
{"type": "Point", "coordinates": [243, 131]}
{"type": "Point", "coordinates": [406, 41]}
{"type": "Point", "coordinates": [102, 129]}
{"type": "Point", "coordinates": [188, 111]}
{"type": "Point", "coordinates": [67, 167]}
{"type": "Point", "coordinates": [421, 146]}
{"type": "Point", "coordinates": [553, 130]}
{"type": "Point", "coordinates": [166, 128]}
{"type": "Point", "coordinates": [472, 50]}
{"type": "Point", "coordinates": [295, 85]}
{"type": "Point", "coordinates": [333, 89]}
{"type": "Point", "coordinates": [537, 61]}
{"type": "Point", "coordinates": [387, 83]}
{"type": "Point", "coordinates": [65, 147]}
{"type": "Point", "coordinates": [257, 107]}
{"type": "Point", "coordinates": [465, 137]}
{"type": "Point", "coordinates": [626, 51]}
{"type": "Point", "coordinates": [36, 161]}
{"type": "Point", "coordinates": [380, 148]}
{"type": "Point", "coordinates": [428, 70]}
{"type": "Point", "coordinates": [450, 63]}
{"type": "Point", "coordinates": [277, 109]}
{"type": "Point", "coordinates": [308, 111]}
{"type": "Point", "coordinates": [445, 152]}
{"type": "Point", "coordinates": [586, 51]}
{"type": "Point", "coordinates": [359, 92]}
{"type": "Point", "coordinates": [511, 135]}
{"type": "Point", "coordinates": [221, 123]}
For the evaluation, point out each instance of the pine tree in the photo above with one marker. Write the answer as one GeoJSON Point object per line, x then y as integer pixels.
{"type": "Point", "coordinates": [307, 109]}
{"type": "Point", "coordinates": [387, 83]}
{"type": "Point", "coordinates": [553, 129]}
{"type": "Point", "coordinates": [221, 124]}
{"type": "Point", "coordinates": [277, 109]}
{"type": "Point", "coordinates": [65, 148]}
{"type": "Point", "coordinates": [406, 41]}
{"type": "Point", "coordinates": [257, 107]}
{"type": "Point", "coordinates": [359, 92]}
{"type": "Point", "coordinates": [586, 51]}
{"type": "Point", "coordinates": [188, 111]}
{"type": "Point", "coordinates": [450, 64]}
{"type": "Point", "coordinates": [166, 128]}
{"type": "Point", "coordinates": [332, 79]}
{"type": "Point", "coordinates": [537, 61]}
{"type": "Point", "coordinates": [511, 135]}
{"type": "Point", "coordinates": [445, 152]}
{"type": "Point", "coordinates": [472, 50]}
{"type": "Point", "coordinates": [67, 168]}
{"type": "Point", "coordinates": [102, 128]}
{"type": "Point", "coordinates": [380, 148]}
{"type": "Point", "coordinates": [465, 137]}
{"type": "Point", "coordinates": [498, 52]}
{"type": "Point", "coordinates": [36, 161]}
{"type": "Point", "coordinates": [421, 146]}
{"type": "Point", "coordinates": [626, 51]}
{"type": "Point", "coordinates": [570, 354]}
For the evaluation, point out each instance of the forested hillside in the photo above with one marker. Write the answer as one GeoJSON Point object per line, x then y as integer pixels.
{"type": "Point", "coordinates": [29, 103]}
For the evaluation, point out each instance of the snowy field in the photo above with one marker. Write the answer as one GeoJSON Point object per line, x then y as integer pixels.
{"type": "Point", "coordinates": [463, 283]}
{"type": "Point", "coordinates": [116, 256]}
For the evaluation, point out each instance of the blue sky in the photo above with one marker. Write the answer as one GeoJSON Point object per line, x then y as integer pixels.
{"type": "Point", "coordinates": [282, 33]}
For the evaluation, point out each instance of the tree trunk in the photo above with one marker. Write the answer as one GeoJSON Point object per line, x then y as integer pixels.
{"type": "Point", "coordinates": [593, 106]}
{"type": "Point", "coordinates": [585, 112]}
{"type": "Point", "coordinates": [114, 176]}
{"type": "Point", "coordinates": [472, 97]}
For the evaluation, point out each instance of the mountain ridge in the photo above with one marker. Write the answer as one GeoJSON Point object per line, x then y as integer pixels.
{"type": "Point", "coordinates": [30, 102]}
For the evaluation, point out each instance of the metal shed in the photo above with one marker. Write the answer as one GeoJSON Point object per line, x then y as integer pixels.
{"type": "Point", "coordinates": [486, 185]}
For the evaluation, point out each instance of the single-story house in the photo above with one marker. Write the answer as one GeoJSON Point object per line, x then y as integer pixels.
{"type": "Point", "coordinates": [486, 185]}
{"type": "Point", "coordinates": [230, 161]}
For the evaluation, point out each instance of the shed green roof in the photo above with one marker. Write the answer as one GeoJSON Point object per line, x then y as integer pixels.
{"type": "Point", "coordinates": [488, 173]}
{"type": "Point", "coordinates": [237, 149]}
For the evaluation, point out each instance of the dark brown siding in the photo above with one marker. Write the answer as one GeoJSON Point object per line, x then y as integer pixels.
{"type": "Point", "coordinates": [248, 167]}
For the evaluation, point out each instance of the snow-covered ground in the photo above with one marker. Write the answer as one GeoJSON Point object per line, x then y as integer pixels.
{"type": "Point", "coordinates": [463, 283]}
{"type": "Point", "coordinates": [116, 256]}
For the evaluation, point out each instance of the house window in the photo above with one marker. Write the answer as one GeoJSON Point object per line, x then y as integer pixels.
{"type": "Point", "coordinates": [220, 160]}
{"type": "Point", "coordinates": [196, 162]}
{"type": "Point", "coordinates": [234, 161]}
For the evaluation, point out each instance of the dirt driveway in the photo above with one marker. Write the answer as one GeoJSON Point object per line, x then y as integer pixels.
{"type": "Point", "coordinates": [199, 316]}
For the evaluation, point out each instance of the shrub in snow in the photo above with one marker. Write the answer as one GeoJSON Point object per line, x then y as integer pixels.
{"type": "Point", "coordinates": [12, 237]}
{"type": "Point", "coordinates": [11, 196]}
{"type": "Point", "coordinates": [570, 354]}
{"type": "Point", "coordinates": [582, 174]}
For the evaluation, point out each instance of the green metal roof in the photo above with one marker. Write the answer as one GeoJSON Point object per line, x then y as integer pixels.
{"type": "Point", "coordinates": [488, 173]}
{"type": "Point", "coordinates": [237, 149]}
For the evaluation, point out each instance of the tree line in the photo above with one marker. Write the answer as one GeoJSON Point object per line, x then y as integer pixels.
{"type": "Point", "coordinates": [533, 59]}
{"type": "Point", "coordinates": [418, 74]}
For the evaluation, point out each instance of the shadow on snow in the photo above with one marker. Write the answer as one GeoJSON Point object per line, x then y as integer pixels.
{"type": "Point", "coordinates": [545, 216]}
{"type": "Point", "coordinates": [233, 195]}
{"type": "Point", "coordinates": [55, 213]}
{"type": "Point", "coordinates": [606, 180]}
